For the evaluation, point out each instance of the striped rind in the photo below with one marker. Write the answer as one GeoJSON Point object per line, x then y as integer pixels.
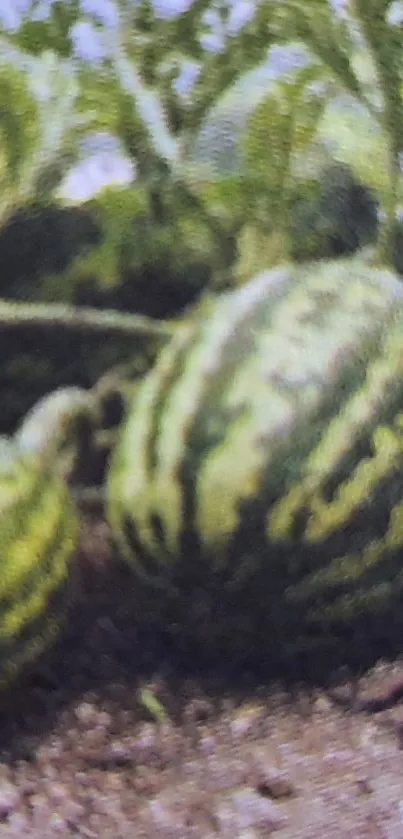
{"type": "Point", "coordinates": [38, 536]}
{"type": "Point", "coordinates": [271, 432]}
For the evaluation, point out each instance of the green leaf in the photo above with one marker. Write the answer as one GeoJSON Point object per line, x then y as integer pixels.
{"type": "Point", "coordinates": [328, 36]}
{"type": "Point", "coordinates": [116, 211]}
{"type": "Point", "coordinates": [53, 33]}
{"type": "Point", "coordinates": [19, 127]}
{"type": "Point", "coordinates": [279, 131]}
{"type": "Point", "coordinates": [352, 136]}
{"type": "Point", "coordinates": [41, 126]}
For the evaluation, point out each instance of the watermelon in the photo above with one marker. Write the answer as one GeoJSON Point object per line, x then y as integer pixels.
{"type": "Point", "coordinates": [38, 533]}
{"type": "Point", "coordinates": [267, 443]}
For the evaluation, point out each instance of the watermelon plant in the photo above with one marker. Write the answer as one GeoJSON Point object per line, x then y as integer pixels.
{"type": "Point", "coordinates": [255, 481]}
{"type": "Point", "coordinates": [261, 457]}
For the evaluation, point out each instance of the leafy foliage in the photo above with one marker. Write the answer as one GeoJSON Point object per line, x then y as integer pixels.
{"type": "Point", "coordinates": [40, 128]}
{"type": "Point", "coordinates": [237, 167]}
{"type": "Point", "coordinates": [136, 92]}
{"type": "Point", "coordinates": [53, 33]}
{"type": "Point", "coordinates": [155, 254]}
{"type": "Point", "coordinates": [37, 244]}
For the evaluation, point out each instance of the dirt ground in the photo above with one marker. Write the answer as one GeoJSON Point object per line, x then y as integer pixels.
{"type": "Point", "coordinates": [113, 736]}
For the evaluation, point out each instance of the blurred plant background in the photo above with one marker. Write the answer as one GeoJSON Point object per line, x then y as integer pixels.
{"type": "Point", "coordinates": [244, 134]}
